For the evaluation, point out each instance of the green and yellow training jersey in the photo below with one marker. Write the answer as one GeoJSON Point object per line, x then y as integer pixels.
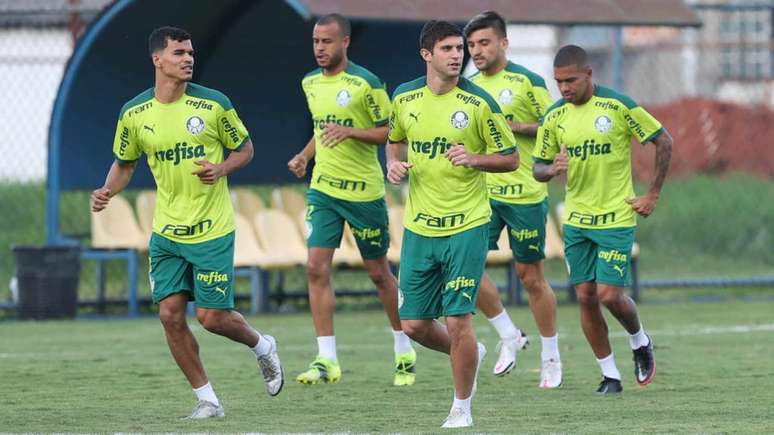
{"type": "Point", "coordinates": [355, 98]}
{"type": "Point", "coordinates": [523, 97]}
{"type": "Point", "coordinates": [173, 136]}
{"type": "Point", "coordinates": [445, 199]}
{"type": "Point", "coordinates": [598, 137]}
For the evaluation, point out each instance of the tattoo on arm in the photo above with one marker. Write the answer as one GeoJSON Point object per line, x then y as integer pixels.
{"type": "Point", "coordinates": [663, 156]}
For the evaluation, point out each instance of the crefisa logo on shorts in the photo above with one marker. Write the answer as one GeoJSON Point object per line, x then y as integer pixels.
{"type": "Point", "coordinates": [194, 125]}
{"type": "Point", "coordinates": [343, 98]}
{"type": "Point", "coordinates": [459, 119]}
{"type": "Point", "coordinates": [603, 124]}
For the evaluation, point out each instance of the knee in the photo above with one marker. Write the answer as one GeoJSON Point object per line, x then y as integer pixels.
{"type": "Point", "coordinates": [210, 320]}
{"type": "Point", "coordinates": [609, 296]}
{"type": "Point", "coordinates": [380, 278]}
{"type": "Point", "coordinates": [317, 271]}
{"type": "Point", "coordinates": [415, 330]}
{"type": "Point", "coordinates": [172, 319]}
{"type": "Point", "coordinates": [586, 297]}
{"type": "Point", "coordinates": [532, 283]}
{"type": "Point", "coordinates": [458, 329]}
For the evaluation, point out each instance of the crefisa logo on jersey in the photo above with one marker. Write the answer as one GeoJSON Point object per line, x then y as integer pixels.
{"type": "Point", "coordinates": [194, 125]}
{"type": "Point", "coordinates": [506, 96]}
{"type": "Point", "coordinates": [603, 124]}
{"type": "Point", "coordinates": [459, 119]}
{"type": "Point", "coordinates": [343, 98]}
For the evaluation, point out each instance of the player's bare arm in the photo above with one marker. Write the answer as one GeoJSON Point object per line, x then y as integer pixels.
{"type": "Point", "coordinates": [644, 205]}
{"type": "Point", "coordinates": [117, 179]}
{"type": "Point", "coordinates": [334, 134]}
{"type": "Point", "coordinates": [297, 165]}
{"type": "Point", "coordinates": [544, 172]}
{"type": "Point", "coordinates": [459, 156]}
{"type": "Point", "coordinates": [397, 166]}
{"type": "Point", "coordinates": [211, 172]}
{"type": "Point", "coordinates": [524, 128]}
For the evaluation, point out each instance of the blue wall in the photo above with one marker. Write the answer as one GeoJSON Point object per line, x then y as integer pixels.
{"type": "Point", "coordinates": [256, 52]}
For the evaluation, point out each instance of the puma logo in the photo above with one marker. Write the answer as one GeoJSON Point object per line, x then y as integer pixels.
{"type": "Point", "coordinates": [376, 243]}
{"type": "Point", "coordinates": [467, 296]}
{"type": "Point", "coordinates": [221, 291]}
{"type": "Point", "coordinates": [415, 116]}
{"type": "Point", "coordinates": [618, 269]}
{"type": "Point", "coordinates": [149, 129]}
{"type": "Point", "coordinates": [534, 248]}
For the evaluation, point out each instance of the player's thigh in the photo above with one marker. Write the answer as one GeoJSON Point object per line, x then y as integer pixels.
{"type": "Point", "coordinates": [464, 262]}
{"type": "Point", "coordinates": [580, 253]}
{"type": "Point", "coordinates": [169, 271]}
{"type": "Point", "coordinates": [614, 248]}
{"type": "Point", "coordinates": [496, 225]}
{"type": "Point", "coordinates": [324, 223]}
{"type": "Point", "coordinates": [370, 226]}
{"type": "Point", "coordinates": [420, 277]}
{"type": "Point", "coordinates": [526, 230]}
{"type": "Point", "coordinates": [213, 271]}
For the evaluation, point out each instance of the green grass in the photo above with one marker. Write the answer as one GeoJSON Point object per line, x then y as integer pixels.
{"type": "Point", "coordinates": [118, 376]}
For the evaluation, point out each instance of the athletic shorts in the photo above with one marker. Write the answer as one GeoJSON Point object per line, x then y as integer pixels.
{"type": "Point", "coordinates": [325, 216]}
{"type": "Point", "coordinates": [526, 226]}
{"type": "Point", "coordinates": [602, 256]}
{"type": "Point", "coordinates": [203, 270]}
{"type": "Point", "coordinates": [439, 276]}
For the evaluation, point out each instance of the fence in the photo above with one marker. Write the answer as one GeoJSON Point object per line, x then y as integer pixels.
{"type": "Point", "coordinates": [712, 87]}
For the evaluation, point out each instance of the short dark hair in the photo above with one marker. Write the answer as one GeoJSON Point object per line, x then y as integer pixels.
{"type": "Point", "coordinates": [434, 31]}
{"type": "Point", "coordinates": [344, 27]}
{"type": "Point", "coordinates": [571, 55]}
{"type": "Point", "coordinates": [486, 20]}
{"type": "Point", "coordinates": [159, 37]}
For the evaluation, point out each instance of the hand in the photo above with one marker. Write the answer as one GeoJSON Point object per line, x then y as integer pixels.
{"type": "Point", "coordinates": [397, 171]}
{"type": "Point", "coordinates": [644, 205]}
{"type": "Point", "coordinates": [100, 199]}
{"type": "Point", "coordinates": [333, 134]}
{"type": "Point", "coordinates": [561, 163]}
{"type": "Point", "coordinates": [459, 156]}
{"type": "Point", "coordinates": [209, 173]}
{"type": "Point", "coordinates": [297, 165]}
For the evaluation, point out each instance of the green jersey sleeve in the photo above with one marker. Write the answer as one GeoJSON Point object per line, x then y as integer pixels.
{"type": "Point", "coordinates": [496, 132]}
{"type": "Point", "coordinates": [542, 101]}
{"type": "Point", "coordinates": [643, 125]}
{"type": "Point", "coordinates": [231, 131]}
{"type": "Point", "coordinates": [126, 148]}
{"type": "Point", "coordinates": [377, 103]}
{"type": "Point", "coordinates": [547, 145]}
{"type": "Point", "coordinates": [397, 132]}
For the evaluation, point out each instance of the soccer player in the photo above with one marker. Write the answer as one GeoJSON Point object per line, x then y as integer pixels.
{"type": "Point", "coordinates": [350, 109]}
{"type": "Point", "coordinates": [518, 201]}
{"type": "Point", "coordinates": [183, 127]}
{"type": "Point", "coordinates": [453, 132]}
{"type": "Point", "coordinates": [587, 134]}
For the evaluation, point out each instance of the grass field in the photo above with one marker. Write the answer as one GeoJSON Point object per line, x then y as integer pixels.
{"type": "Point", "coordinates": [714, 375]}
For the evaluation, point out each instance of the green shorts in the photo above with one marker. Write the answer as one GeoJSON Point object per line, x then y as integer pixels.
{"type": "Point", "coordinates": [601, 256]}
{"type": "Point", "coordinates": [325, 216]}
{"type": "Point", "coordinates": [526, 224]}
{"type": "Point", "coordinates": [439, 276]}
{"type": "Point", "coordinates": [203, 270]}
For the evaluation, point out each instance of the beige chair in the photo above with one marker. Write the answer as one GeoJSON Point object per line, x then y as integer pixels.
{"type": "Point", "coordinates": [115, 227]}
{"type": "Point", "coordinates": [246, 202]}
{"type": "Point", "coordinates": [145, 204]}
{"type": "Point", "coordinates": [247, 250]}
{"type": "Point", "coordinates": [395, 215]}
{"type": "Point", "coordinates": [554, 247]}
{"type": "Point", "coordinates": [288, 200]}
{"type": "Point", "coordinates": [280, 240]}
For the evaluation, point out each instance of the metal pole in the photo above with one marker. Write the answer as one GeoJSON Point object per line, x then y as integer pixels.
{"type": "Point", "coordinates": [617, 56]}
